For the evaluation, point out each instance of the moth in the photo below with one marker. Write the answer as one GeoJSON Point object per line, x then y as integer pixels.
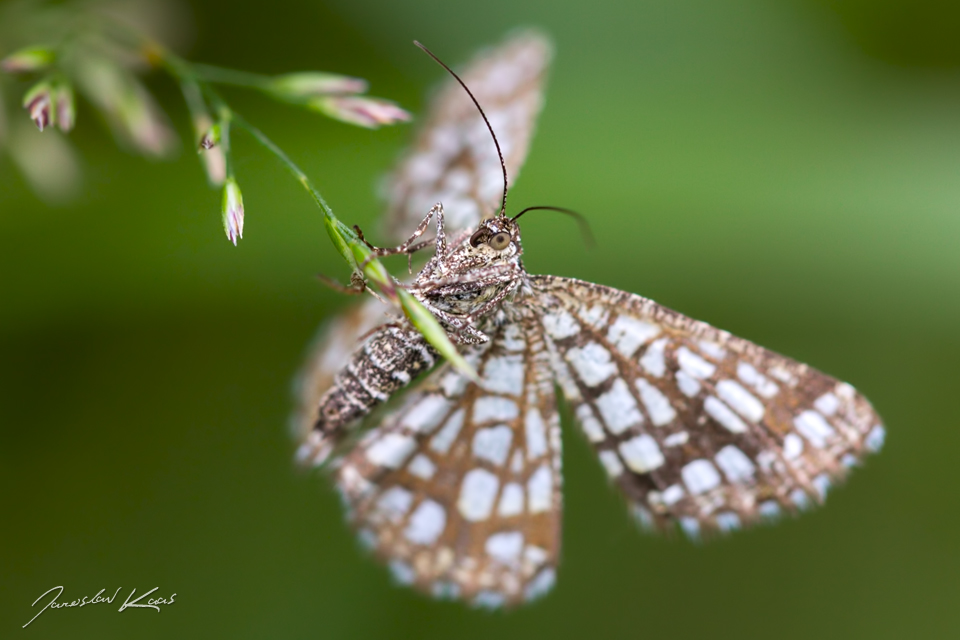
{"type": "Point", "coordinates": [456, 484]}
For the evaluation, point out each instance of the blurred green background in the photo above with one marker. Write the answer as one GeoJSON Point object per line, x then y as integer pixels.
{"type": "Point", "coordinates": [786, 170]}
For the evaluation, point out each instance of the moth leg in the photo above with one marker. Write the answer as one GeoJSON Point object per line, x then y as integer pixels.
{"type": "Point", "coordinates": [490, 304]}
{"type": "Point", "coordinates": [410, 246]}
{"type": "Point", "coordinates": [357, 286]}
{"type": "Point", "coordinates": [460, 327]}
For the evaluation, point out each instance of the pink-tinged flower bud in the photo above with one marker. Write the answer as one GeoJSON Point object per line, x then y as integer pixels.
{"type": "Point", "coordinates": [28, 59]}
{"type": "Point", "coordinates": [360, 110]}
{"type": "Point", "coordinates": [232, 211]}
{"type": "Point", "coordinates": [308, 84]}
{"type": "Point", "coordinates": [64, 107]}
{"type": "Point", "coordinates": [208, 146]}
{"type": "Point", "coordinates": [39, 105]}
{"type": "Point", "coordinates": [145, 123]}
{"type": "Point", "coordinates": [133, 114]}
{"type": "Point", "coordinates": [210, 137]}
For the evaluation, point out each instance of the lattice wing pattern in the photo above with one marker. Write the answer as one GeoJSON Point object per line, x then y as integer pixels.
{"type": "Point", "coordinates": [693, 424]}
{"type": "Point", "coordinates": [459, 490]}
{"type": "Point", "coordinates": [453, 159]}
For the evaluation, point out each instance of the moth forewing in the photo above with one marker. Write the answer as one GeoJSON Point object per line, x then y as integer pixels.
{"type": "Point", "coordinates": [694, 425]}
{"type": "Point", "coordinates": [452, 160]}
{"type": "Point", "coordinates": [459, 490]}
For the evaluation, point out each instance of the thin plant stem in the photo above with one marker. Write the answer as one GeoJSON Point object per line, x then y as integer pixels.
{"type": "Point", "coordinates": [348, 244]}
{"type": "Point", "coordinates": [220, 75]}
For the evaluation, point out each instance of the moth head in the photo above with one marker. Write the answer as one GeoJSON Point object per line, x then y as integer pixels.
{"type": "Point", "coordinates": [497, 237]}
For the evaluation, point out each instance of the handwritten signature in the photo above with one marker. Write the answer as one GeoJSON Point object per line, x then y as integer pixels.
{"type": "Point", "coordinates": [152, 603]}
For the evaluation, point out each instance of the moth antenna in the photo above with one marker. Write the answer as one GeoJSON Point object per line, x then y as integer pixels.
{"type": "Point", "coordinates": [584, 224]}
{"type": "Point", "coordinates": [503, 165]}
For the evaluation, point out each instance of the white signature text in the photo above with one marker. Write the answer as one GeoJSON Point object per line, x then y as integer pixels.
{"type": "Point", "coordinates": [129, 603]}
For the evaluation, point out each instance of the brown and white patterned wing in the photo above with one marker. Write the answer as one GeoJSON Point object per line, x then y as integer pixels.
{"type": "Point", "coordinates": [693, 424]}
{"type": "Point", "coordinates": [459, 490]}
{"type": "Point", "coordinates": [329, 352]}
{"type": "Point", "coordinates": [453, 159]}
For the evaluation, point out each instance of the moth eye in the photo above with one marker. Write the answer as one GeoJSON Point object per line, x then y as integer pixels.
{"type": "Point", "coordinates": [476, 239]}
{"type": "Point", "coordinates": [500, 241]}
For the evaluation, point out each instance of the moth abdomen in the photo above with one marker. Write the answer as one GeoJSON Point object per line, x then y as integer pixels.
{"type": "Point", "coordinates": [384, 363]}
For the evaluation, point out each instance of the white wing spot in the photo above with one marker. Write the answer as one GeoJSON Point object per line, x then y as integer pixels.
{"type": "Point", "coordinates": [504, 374]}
{"type": "Point", "coordinates": [769, 510]}
{"type": "Point", "coordinates": [590, 424]}
{"type": "Point", "coordinates": [516, 463]}
{"type": "Point", "coordinates": [513, 339]}
{"type": "Point", "coordinates": [641, 454]}
{"type": "Point", "coordinates": [540, 489]}
{"type": "Point", "coordinates": [490, 408]}
{"type": "Point", "coordinates": [753, 378]}
{"type": "Point", "coordinates": [511, 502]}
{"type": "Point", "coordinates": [814, 428]}
{"type": "Point", "coordinates": [445, 590]}
{"type": "Point", "coordinates": [735, 464]}
{"type": "Point", "coordinates": [534, 555]}
{"type": "Point", "coordinates": [694, 364]}
{"type": "Point", "coordinates": [672, 495]}
{"type": "Point", "coordinates": [560, 325]}
{"type": "Point", "coordinates": [657, 405]}
{"type": "Point", "coordinates": [536, 434]}
{"type": "Point", "coordinates": [689, 385]}
{"type": "Point", "coordinates": [611, 462]}
{"type": "Point", "coordinates": [827, 404]}
{"type": "Point", "coordinates": [700, 476]}
{"type": "Point", "coordinates": [505, 547]}
{"type": "Point", "coordinates": [391, 450]}
{"type": "Point", "coordinates": [723, 415]}
{"type": "Point", "coordinates": [691, 528]}
{"type": "Point", "coordinates": [445, 437]}
{"type": "Point", "coordinates": [618, 408]}
{"type": "Point", "coordinates": [353, 483]}
{"type": "Point", "coordinates": [402, 572]}
{"type": "Point", "coordinates": [368, 539]}
{"type": "Point", "coordinates": [643, 517]}
{"type": "Point", "coordinates": [874, 439]}
{"type": "Point", "coordinates": [427, 413]}
{"type": "Point", "coordinates": [628, 334]}
{"type": "Point", "coordinates": [422, 467]}
{"type": "Point", "coordinates": [822, 484]}
{"type": "Point", "coordinates": [652, 360]}
{"type": "Point", "coordinates": [712, 350]}
{"type": "Point", "coordinates": [592, 363]}
{"type": "Point", "coordinates": [453, 384]}
{"type": "Point", "coordinates": [493, 444]}
{"type": "Point", "coordinates": [489, 600]}
{"type": "Point", "coordinates": [394, 503]}
{"type": "Point", "coordinates": [541, 584]}
{"type": "Point", "coordinates": [477, 493]}
{"type": "Point", "coordinates": [783, 375]}
{"type": "Point", "coordinates": [596, 316]}
{"type": "Point", "coordinates": [792, 446]}
{"type": "Point", "coordinates": [741, 400]}
{"type": "Point", "coordinates": [426, 523]}
{"type": "Point", "coordinates": [676, 439]}
{"type": "Point", "coordinates": [800, 499]}
{"type": "Point", "coordinates": [728, 521]}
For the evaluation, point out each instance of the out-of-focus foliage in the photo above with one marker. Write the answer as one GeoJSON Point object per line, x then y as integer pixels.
{"type": "Point", "coordinates": [748, 162]}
